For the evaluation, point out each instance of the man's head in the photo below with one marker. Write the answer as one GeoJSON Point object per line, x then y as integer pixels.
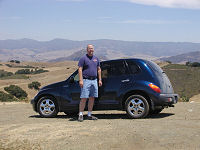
{"type": "Point", "coordinates": [90, 49]}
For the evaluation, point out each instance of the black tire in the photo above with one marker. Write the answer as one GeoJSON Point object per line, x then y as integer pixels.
{"type": "Point", "coordinates": [156, 111]}
{"type": "Point", "coordinates": [71, 114]}
{"type": "Point", "coordinates": [136, 107]}
{"type": "Point", "coordinates": [47, 107]}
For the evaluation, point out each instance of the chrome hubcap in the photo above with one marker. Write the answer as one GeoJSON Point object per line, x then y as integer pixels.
{"type": "Point", "coordinates": [136, 107]}
{"type": "Point", "coordinates": [47, 107]}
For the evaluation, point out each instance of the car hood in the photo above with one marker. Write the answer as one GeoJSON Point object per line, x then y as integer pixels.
{"type": "Point", "coordinates": [53, 85]}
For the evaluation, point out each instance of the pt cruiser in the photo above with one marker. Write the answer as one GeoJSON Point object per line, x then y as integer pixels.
{"type": "Point", "coordinates": [139, 87]}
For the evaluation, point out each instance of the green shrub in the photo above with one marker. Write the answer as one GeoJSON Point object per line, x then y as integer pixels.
{"type": "Point", "coordinates": [9, 65]}
{"type": "Point", "coordinates": [12, 61]}
{"type": "Point", "coordinates": [16, 91]}
{"type": "Point", "coordinates": [15, 76]}
{"type": "Point", "coordinates": [28, 71]}
{"type": "Point", "coordinates": [15, 61]}
{"type": "Point", "coordinates": [168, 61]}
{"type": "Point", "coordinates": [34, 85]}
{"type": "Point", "coordinates": [4, 97]}
{"type": "Point", "coordinates": [5, 73]}
{"type": "Point", "coordinates": [23, 71]}
{"type": "Point", "coordinates": [187, 63]}
{"type": "Point", "coordinates": [195, 64]}
{"type": "Point", "coordinates": [37, 71]}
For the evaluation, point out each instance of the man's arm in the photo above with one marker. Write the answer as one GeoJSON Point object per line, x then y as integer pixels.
{"type": "Point", "coordinates": [99, 75]}
{"type": "Point", "coordinates": [80, 73]}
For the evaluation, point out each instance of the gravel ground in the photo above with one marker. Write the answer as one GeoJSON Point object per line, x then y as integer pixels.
{"type": "Point", "coordinates": [174, 128]}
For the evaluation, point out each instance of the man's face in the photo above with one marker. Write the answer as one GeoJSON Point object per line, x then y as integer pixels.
{"type": "Point", "coordinates": [90, 50]}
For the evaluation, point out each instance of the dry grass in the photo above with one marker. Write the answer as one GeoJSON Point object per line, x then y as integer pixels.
{"type": "Point", "coordinates": [57, 72]}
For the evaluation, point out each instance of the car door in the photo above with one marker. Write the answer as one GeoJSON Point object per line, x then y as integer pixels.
{"type": "Point", "coordinates": [70, 93]}
{"type": "Point", "coordinates": [115, 77]}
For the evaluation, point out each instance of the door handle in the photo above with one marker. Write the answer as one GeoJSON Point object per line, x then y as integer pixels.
{"type": "Point", "coordinates": [127, 80]}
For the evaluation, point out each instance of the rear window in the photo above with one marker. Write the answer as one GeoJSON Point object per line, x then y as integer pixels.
{"type": "Point", "coordinates": [133, 67]}
{"type": "Point", "coordinates": [154, 67]}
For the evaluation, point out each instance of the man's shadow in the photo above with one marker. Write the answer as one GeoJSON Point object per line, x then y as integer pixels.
{"type": "Point", "coordinates": [107, 116]}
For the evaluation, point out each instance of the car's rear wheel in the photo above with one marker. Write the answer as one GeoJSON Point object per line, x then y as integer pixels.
{"type": "Point", "coordinates": [47, 107]}
{"type": "Point", "coordinates": [136, 107]}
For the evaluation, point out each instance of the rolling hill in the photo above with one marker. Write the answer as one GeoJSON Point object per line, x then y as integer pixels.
{"type": "Point", "coordinates": [182, 58]}
{"type": "Point", "coordinates": [59, 49]}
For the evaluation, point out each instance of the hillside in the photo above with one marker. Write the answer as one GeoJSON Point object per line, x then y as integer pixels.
{"type": "Point", "coordinates": [182, 58]}
{"type": "Point", "coordinates": [33, 50]}
{"type": "Point", "coordinates": [76, 57]}
{"type": "Point", "coordinates": [57, 72]}
{"type": "Point", "coordinates": [185, 80]}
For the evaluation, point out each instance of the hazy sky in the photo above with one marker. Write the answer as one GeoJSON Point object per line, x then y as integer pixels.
{"type": "Point", "coordinates": [132, 20]}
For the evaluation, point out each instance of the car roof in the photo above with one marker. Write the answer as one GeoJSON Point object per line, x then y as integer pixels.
{"type": "Point", "coordinates": [133, 59]}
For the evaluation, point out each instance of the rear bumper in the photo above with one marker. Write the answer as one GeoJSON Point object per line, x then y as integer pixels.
{"type": "Point", "coordinates": [168, 99]}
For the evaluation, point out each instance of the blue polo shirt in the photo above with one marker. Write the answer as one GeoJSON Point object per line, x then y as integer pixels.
{"type": "Point", "coordinates": [89, 65]}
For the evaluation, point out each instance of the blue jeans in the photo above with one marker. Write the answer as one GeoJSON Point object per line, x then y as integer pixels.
{"type": "Point", "coordinates": [90, 88]}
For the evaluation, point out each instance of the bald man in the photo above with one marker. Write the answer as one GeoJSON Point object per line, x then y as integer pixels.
{"type": "Point", "coordinates": [88, 69]}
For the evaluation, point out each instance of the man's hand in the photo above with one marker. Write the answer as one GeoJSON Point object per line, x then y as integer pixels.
{"type": "Point", "coordinates": [100, 83]}
{"type": "Point", "coordinates": [81, 83]}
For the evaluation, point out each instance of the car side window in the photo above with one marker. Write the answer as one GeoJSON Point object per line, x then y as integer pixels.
{"type": "Point", "coordinates": [76, 77]}
{"type": "Point", "coordinates": [104, 70]}
{"type": "Point", "coordinates": [134, 68]}
{"type": "Point", "coordinates": [116, 68]}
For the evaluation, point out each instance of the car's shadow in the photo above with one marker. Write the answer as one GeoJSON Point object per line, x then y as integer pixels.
{"type": "Point", "coordinates": [107, 116]}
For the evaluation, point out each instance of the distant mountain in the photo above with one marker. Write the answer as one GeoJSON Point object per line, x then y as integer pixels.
{"type": "Point", "coordinates": [182, 58]}
{"type": "Point", "coordinates": [76, 57]}
{"type": "Point", "coordinates": [33, 50]}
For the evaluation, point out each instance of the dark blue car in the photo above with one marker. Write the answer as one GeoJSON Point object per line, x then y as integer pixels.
{"type": "Point", "coordinates": [137, 86]}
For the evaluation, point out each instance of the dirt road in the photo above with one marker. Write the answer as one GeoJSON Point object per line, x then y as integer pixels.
{"type": "Point", "coordinates": [174, 128]}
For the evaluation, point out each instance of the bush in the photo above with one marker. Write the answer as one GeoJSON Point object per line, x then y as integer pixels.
{"type": "Point", "coordinates": [9, 65]}
{"type": "Point", "coordinates": [16, 91]}
{"type": "Point", "coordinates": [4, 97]}
{"type": "Point", "coordinates": [5, 73]}
{"type": "Point", "coordinates": [28, 71]}
{"type": "Point", "coordinates": [23, 71]}
{"type": "Point", "coordinates": [37, 71]}
{"type": "Point", "coordinates": [168, 61]}
{"type": "Point", "coordinates": [12, 61]}
{"type": "Point", "coordinates": [184, 98]}
{"type": "Point", "coordinates": [195, 64]}
{"type": "Point", "coordinates": [15, 61]}
{"type": "Point", "coordinates": [187, 63]}
{"type": "Point", "coordinates": [34, 85]}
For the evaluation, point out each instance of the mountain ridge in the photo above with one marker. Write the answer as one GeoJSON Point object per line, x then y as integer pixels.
{"type": "Point", "coordinates": [33, 50]}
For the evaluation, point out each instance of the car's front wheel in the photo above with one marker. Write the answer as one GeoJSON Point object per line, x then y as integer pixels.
{"type": "Point", "coordinates": [136, 107]}
{"type": "Point", "coordinates": [47, 107]}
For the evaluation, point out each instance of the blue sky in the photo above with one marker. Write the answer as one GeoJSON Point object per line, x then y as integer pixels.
{"type": "Point", "coordinates": [131, 20]}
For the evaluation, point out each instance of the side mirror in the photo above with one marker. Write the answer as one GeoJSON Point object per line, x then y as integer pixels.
{"type": "Point", "coordinates": [71, 80]}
